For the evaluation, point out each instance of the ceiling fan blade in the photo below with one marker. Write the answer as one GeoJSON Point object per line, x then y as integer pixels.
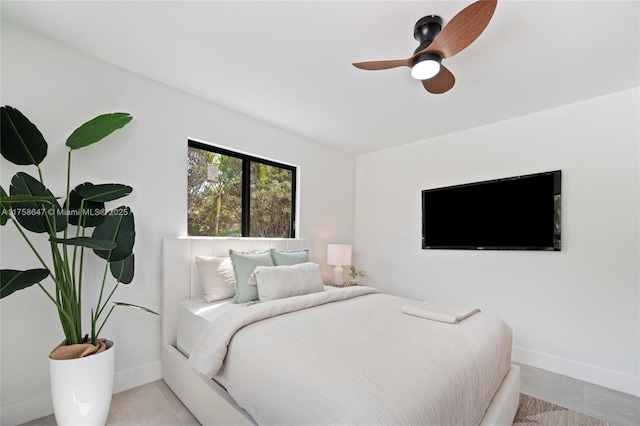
{"type": "Point", "coordinates": [463, 29]}
{"type": "Point", "coordinates": [441, 83]}
{"type": "Point", "coordinates": [382, 65]}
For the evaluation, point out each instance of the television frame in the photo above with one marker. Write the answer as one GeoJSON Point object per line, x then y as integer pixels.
{"type": "Point", "coordinates": [557, 195]}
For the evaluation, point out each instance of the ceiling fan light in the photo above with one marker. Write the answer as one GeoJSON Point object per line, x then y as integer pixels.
{"type": "Point", "coordinates": [425, 66]}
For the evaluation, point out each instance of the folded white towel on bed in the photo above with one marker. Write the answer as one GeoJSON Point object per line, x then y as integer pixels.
{"type": "Point", "coordinates": [439, 311]}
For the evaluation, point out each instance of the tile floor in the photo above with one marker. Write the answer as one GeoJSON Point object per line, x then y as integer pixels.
{"type": "Point", "coordinates": [151, 404]}
{"type": "Point", "coordinates": [155, 404]}
{"type": "Point", "coordinates": [619, 409]}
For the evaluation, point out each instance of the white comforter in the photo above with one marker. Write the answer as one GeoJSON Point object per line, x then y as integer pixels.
{"type": "Point", "coordinates": [350, 356]}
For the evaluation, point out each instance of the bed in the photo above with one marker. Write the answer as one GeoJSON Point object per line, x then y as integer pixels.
{"type": "Point", "coordinates": [210, 400]}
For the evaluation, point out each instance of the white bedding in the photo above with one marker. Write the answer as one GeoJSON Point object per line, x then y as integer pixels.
{"type": "Point", "coordinates": [195, 315]}
{"type": "Point", "coordinates": [351, 356]}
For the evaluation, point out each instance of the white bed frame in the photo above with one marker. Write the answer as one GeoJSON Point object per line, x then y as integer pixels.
{"type": "Point", "coordinates": [207, 400]}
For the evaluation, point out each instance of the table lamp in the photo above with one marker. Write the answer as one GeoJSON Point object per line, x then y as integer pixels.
{"type": "Point", "coordinates": [338, 255]}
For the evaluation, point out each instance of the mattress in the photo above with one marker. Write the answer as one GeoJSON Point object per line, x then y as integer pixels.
{"type": "Point", "coordinates": [195, 315]}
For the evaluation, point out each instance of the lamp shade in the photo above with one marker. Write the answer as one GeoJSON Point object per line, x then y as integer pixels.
{"type": "Point", "coordinates": [339, 254]}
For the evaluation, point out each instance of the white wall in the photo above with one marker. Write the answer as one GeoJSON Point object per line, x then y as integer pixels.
{"type": "Point", "coordinates": [59, 89]}
{"type": "Point", "coordinates": [575, 312]}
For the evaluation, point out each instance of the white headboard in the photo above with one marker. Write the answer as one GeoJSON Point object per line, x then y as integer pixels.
{"type": "Point", "coordinates": [180, 280]}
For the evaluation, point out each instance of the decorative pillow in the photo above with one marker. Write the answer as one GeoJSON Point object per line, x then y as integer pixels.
{"type": "Point", "coordinates": [289, 257]}
{"type": "Point", "coordinates": [243, 266]}
{"type": "Point", "coordinates": [217, 277]}
{"type": "Point", "coordinates": [278, 282]}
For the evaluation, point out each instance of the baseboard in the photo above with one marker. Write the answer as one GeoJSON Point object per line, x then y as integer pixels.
{"type": "Point", "coordinates": [138, 376]}
{"type": "Point", "coordinates": [40, 405]}
{"type": "Point", "coordinates": [26, 410]}
{"type": "Point", "coordinates": [586, 372]}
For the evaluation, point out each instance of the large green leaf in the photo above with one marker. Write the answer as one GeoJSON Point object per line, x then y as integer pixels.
{"type": "Point", "coordinates": [119, 226]}
{"type": "Point", "coordinates": [88, 242]}
{"type": "Point", "coordinates": [96, 129]}
{"type": "Point", "coordinates": [104, 192]}
{"type": "Point", "coordinates": [93, 212]}
{"type": "Point", "coordinates": [122, 270]}
{"type": "Point", "coordinates": [13, 280]}
{"type": "Point", "coordinates": [22, 142]}
{"type": "Point", "coordinates": [36, 216]}
{"type": "Point", "coordinates": [4, 214]}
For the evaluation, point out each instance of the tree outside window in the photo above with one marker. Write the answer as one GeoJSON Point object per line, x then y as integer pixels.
{"type": "Point", "coordinates": [233, 194]}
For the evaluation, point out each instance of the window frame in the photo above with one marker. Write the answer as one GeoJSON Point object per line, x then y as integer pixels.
{"type": "Point", "coordinates": [246, 182]}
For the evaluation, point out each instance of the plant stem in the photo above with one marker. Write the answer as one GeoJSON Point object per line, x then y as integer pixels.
{"type": "Point", "coordinates": [105, 320]}
{"type": "Point", "coordinates": [66, 203]}
{"type": "Point", "coordinates": [104, 280]}
{"type": "Point", "coordinates": [108, 299]}
{"type": "Point", "coordinates": [94, 338]}
{"type": "Point", "coordinates": [63, 315]}
{"type": "Point", "coordinates": [94, 318]}
{"type": "Point", "coordinates": [69, 269]}
{"type": "Point", "coordinates": [79, 282]}
{"type": "Point", "coordinates": [40, 173]}
{"type": "Point", "coordinates": [66, 296]}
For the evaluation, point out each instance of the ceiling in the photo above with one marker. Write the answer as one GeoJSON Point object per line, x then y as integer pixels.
{"type": "Point", "coordinates": [288, 63]}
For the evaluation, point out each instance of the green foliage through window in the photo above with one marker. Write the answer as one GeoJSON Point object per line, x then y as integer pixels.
{"type": "Point", "coordinates": [233, 194]}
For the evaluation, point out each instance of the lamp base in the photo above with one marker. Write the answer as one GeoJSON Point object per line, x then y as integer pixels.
{"type": "Point", "coordinates": [338, 275]}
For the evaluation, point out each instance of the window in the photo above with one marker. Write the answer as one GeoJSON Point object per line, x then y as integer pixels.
{"type": "Point", "coordinates": [233, 194]}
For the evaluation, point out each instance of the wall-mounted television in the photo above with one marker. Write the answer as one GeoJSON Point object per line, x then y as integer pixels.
{"type": "Point", "coordinates": [516, 213]}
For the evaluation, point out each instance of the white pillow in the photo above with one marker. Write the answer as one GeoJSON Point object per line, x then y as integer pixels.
{"type": "Point", "coordinates": [217, 277]}
{"type": "Point", "coordinates": [277, 282]}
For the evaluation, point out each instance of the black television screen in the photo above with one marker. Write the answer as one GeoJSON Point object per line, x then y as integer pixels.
{"type": "Point", "coordinates": [516, 213]}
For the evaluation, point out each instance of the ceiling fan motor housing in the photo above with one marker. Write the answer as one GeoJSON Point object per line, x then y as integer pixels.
{"type": "Point", "coordinates": [426, 30]}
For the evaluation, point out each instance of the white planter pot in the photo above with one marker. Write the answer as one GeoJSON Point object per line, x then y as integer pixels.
{"type": "Point", "coordinates": [81, 388]}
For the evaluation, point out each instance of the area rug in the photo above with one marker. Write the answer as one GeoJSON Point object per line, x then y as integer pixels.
{"type": "Point", "coordinates": [536, 412]}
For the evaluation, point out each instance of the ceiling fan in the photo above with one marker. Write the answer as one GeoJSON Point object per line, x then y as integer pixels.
{"type": "Point", "coordinates": [437, 43]}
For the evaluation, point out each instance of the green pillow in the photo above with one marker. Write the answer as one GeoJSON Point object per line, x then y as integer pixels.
{"type": "Point", "coordinates": [243, 266]}
{"type": "Point", "coordinates": [289, 257]}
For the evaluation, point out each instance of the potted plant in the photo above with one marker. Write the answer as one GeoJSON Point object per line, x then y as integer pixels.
{"type": "Point", "coordinates": [354, 274]}
{"type": "Point", "coordinates": [31, 206]}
